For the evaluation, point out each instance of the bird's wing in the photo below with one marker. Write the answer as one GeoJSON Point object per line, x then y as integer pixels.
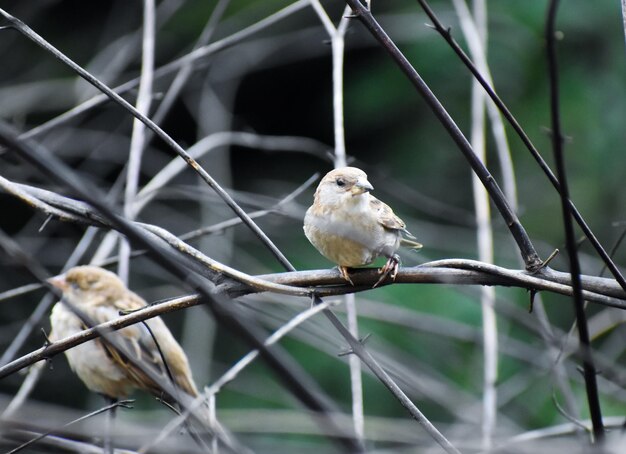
{"type": "Point", "coordinates": [386, 216]}
{"type": "Point", "coordinates": [152, 347]}
{"type": "Point", "coordinates": [389, 220]}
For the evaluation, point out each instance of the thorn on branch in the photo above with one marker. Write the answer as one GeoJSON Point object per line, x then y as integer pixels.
{"type": "Point", "coordinates": [546, 261]}
{"type": "Point", "coordinates": [47, 341]}
{"type": "Point", "coordinates": [162, 400]}
{"type": "Point", "coordinates": [45, 223]}
{"type": "Point", "coordinates": [531, 305]}
{"type": "Point", "coordinates": [350, 351]}
{"type": "Point", "coordinates": [581, 370]}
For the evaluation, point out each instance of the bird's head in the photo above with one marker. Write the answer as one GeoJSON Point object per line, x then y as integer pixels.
{"type": "Point", "coordinates": [88, 281]}
{"type": "Point", "coordinates": [342, 184]}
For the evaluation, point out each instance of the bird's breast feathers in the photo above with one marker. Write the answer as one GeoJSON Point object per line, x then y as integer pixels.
{"type": "Point", "coordinates": [349, 237]}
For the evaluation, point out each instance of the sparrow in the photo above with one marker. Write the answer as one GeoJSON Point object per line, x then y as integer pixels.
{"type": "Point", "coordinates": [101, 295]}
{"type": "Point", "coordinates": [351, 227]}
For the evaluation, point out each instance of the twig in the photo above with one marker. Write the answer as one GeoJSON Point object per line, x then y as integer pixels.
{"type": "Point", "coordinates": [579, 304]}
{"type": "Point", "coordinates": [474, 32]}
{"type": "Point", "coordinates": [467, 272]}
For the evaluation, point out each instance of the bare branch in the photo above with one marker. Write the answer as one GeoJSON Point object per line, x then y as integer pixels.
{"type": "Point", "coordinates": [445, 33]}
{"type": "Point", "coordinates": [30, 34]}
{"type": "Point", "coordinates": [527, 250]}
{"type": "Point", "coordinates": [589, 367]}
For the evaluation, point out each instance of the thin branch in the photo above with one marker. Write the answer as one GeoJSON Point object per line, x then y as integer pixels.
{"type": "Point", "coordinates": [198, 150]}
{"type": "Point", "coordinates": [109, 408]}
{"type": "Point", "coordinates": [456, 272]}
{"type": "Point", "coordinates": [624, 17]}
{"type": "Point", "coordinates": [589, 368]}
{"type": "Point", "coordinates": [526, 248]}
{"type": "Point", "coordinates": [474, 32]}
{"type": "Point", "coordinates": [94, 332]}
{"type": "Point", "coordinates": [477, 35]}
{"type": "Point", "coordinates": [445, 33]}
{"type": "Point", "coordinates": [138, 135]}
{"type": "Point", "coordinates": [29, 33]}
{"type": "Point", "coordinates": [357, 348]}
{"type": "Point", "coordinates": [34, 373]}
{"type": "Point", "coordinates": [185, 71]}
{"type": "Point", "coordinates": [417, 274]}
{"type": "Point", "coordinates": [337, 40]}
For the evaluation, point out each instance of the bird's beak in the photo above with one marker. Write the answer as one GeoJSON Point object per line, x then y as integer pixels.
{"type": "Point", "coordinates": [59, 282]}
{"type": "Point", "coordinates": [361, 186]}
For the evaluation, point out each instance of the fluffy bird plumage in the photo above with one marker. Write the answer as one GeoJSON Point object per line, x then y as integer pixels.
{"type": "Point", "coordinates": [351, 227]}
{"type": "Point", "coordinates": [101, 295]}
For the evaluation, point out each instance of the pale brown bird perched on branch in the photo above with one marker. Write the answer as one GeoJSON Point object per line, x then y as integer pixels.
{"type": "Point", "coordinates": [351, 227]}
{"type": "Point", "coordinates": [101, 295]}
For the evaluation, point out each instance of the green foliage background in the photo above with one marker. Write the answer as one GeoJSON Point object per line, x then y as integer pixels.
{"type": "Point", "coordinates": [279, 83]}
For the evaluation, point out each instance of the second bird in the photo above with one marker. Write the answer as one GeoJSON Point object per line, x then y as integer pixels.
{"type": "Point", "coordinates": [351, 227]}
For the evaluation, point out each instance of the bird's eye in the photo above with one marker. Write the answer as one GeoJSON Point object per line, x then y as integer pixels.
{"type": "Point", "coordinates": [340, 182]}
{"type": "Point", "coordinates": [74, 285]}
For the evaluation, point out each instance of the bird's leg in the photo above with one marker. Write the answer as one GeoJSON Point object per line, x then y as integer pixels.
{"type": "Point", "coordinates": [343, 270]}
{"type": "Point", "coordinates": [390, 269]}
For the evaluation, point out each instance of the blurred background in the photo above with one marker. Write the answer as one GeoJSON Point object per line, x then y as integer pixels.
{"type": "Point", "coordinates": [266, 101]}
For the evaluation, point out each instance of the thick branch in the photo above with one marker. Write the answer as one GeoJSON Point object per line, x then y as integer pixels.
{"type": "Point", "coordinates": [328, 282]}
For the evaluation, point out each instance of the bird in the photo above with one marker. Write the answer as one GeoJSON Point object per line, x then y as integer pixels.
{"type": "Point", "coordinates": [101, 296]}
{"type": "Point", "coordinates": [351, 227]}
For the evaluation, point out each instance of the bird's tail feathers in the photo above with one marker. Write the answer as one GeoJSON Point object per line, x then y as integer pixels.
{"type": "Point", "coordinates": [410, 244]}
